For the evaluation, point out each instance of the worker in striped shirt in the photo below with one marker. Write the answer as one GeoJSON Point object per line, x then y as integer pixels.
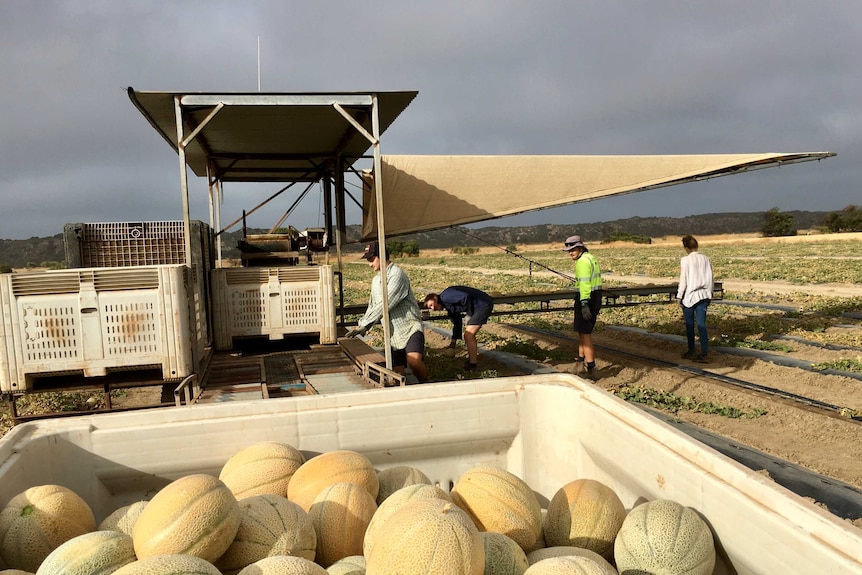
{"type": "Point", "coordinates": [407, 337]}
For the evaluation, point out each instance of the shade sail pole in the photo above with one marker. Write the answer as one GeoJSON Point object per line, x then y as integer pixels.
{"type": "Point", "coordinates": [381, 232]}
{"type": "Point", "coordinates": [184, 181]}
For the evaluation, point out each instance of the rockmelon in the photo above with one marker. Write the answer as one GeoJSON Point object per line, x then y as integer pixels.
{"type": "Point", "coordinates": [566, 551]}
{"type": "Point", "coordinates": [123, 519]}
{"type": "Point", "coordinates": [330, 468]}
{"type": "Point", "coordinates": [39, 520]}
{"type": "Point", "coordinates": [584, 513]}
{"type": "Point", "coordinates": [95, 553]}
{"type": "Point", "coordinates": [502, 555]}
{"type": "Point", "coordinates": [169, 565]}
{"type": "Point", "coordinates": [394, 502]}
{"type": "Point", "coordinates": [427, 536]}
{"type": "Point", "coordinates": [571, 565]}
{"type": "Point", "coordinates": [500, 501]}
{"type": "Point", "coordinates": [262, 468]}
{"type": "Point", "coordinates": [193, 515]}
{"type": "Point", "coordinates": [283, 565]}
{"type": "Point", "coordinates": [394, 478]}
{"type": "Point", "coordinates": [15, 572]}
{"type": "Point", "coordinates": [271, 525]}
{"type": "Point", "coordinates": [340, 515]}
{"type": "Point", "coordinates": [353, 565]}
{"type": "Point", "coordinates": [664, 537]}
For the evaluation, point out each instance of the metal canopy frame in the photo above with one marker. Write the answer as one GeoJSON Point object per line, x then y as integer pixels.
{"type": "Point", "coordinates": [276, 137]}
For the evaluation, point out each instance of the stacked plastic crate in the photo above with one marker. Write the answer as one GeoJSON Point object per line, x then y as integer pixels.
{"type": "Point", "coordinates": [127, 302]}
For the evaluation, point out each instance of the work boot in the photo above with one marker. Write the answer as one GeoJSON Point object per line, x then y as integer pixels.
{"type": "Point", "coordinates": [691, 354]}
{"type": "Point", "coordinates": [470, 366]}
{"type": "Point", "coordinates": [701, 359]}
{"type": "Point", "coordinates": [591, 373]}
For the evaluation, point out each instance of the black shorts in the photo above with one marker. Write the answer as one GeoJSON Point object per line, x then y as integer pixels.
{"type": "Point", "coordinates": [416, 344]}
{"type": "Point", "coordinates": [582, 325]}
{"type": "Point", "coordinates": [481, 314]}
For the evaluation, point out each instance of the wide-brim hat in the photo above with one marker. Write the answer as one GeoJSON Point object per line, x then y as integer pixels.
{"type": "Point", "coordinates": [573, 242]}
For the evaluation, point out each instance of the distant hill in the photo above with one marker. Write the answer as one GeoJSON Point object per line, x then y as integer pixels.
{"type": "Point", "coordinates": [38, 251]}
{"type": "Point", "coordinates": [654, 227]}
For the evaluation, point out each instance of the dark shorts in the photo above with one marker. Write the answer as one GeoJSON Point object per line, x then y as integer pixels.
{"type": "Point", "coordinates": [416, 344]}
{"type": "Point", "coordinates": [582, 325]}
{"type": "Point", "coordinates": [481, 314]}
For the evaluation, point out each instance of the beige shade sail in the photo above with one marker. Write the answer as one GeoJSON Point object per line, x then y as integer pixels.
{"type": "Point", "coordinates": [422, 193]}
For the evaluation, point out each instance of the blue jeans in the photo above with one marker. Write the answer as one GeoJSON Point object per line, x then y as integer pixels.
{"type": "Point", "coordinates": [696, 313]}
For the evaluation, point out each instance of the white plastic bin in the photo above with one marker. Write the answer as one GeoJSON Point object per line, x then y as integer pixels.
{"type": "Point", "coordinates": [548, 429]}
{"type": "Point", "coordinates": [94, 320]}
{"type": "Point", "coordinates": [273, 302]}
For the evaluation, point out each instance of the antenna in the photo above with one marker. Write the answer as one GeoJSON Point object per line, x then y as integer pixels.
{"type": "Point", "coordinates": [258, 63]}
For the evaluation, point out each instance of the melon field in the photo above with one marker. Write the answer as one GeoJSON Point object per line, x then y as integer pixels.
{"type": "Point", "coordinates": [801, 300]}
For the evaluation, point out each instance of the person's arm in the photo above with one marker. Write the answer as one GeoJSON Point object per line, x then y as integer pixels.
{"type": "Point", "coordinates": [710, 281]}
{"type": "Point", "coordinates": [454, 301]}
{"type": "Point", "coordinates": [583, 272]}
{"type": "Point", "coordinates": [374, 311]}
{"type": "Point", "coordinates": [680, 291]}
{"type": "Point", "coordinates": [457, 325]}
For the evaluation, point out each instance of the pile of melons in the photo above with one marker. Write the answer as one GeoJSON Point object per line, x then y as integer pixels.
{"type": "Point", "coordinates": [271, 512]}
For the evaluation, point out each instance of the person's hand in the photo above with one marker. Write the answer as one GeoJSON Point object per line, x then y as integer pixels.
{"type": "Point", "coordinates": [586, 313]}
{"type": "Point", "coordinates": [356, 332]}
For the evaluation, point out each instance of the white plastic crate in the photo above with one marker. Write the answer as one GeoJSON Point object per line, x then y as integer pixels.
{"type": "Point", "coordinates": [91, 321]}
{"type": "Point", "coordinates": [273, 302]}
{"type": "Point", "coordinates": [132, 244]}
{"type": "Point", "coordinates": [548, 429]}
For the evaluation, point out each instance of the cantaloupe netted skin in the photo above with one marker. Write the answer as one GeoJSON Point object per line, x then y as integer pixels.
{"type": "Point", "coordinates": [15, 572]}
{"type": "Point", "coordinates": [169, 565]}
{"type": "Point", "coordinates": [193, 515]}
{"type": "Point", "coordinates": [394, 502]}
{"type": "Point", "coordinates": [328, 469]}
{"type": "Point", "coordinates": [584, 513]}
{"type": "Point", "coordinates": [566, 551]}
{"type": "Point", "coordinates": [39, 520]}
{"type": "Point", "coordinates": [500, 501]}
{"type": "Point", "coordinates": [340, 515]}
{"type": "Point", "coordinates": [123, 519]}
{"type": "Point", "coordinates": [261, 468]}
{"type": "Point", "coordinates": [95, 553]}
{"type": "Point", "coordinates": [427, 536]}
{"type": "Point", "coordinates": [394, 478]}
{"type": "Point", "coordinates": [271, 525]}
{"type": "Point", "coordinates": [570, 565]}
{"type": "Point", "coordinates": [353, 565]}
{"type": "Point", "coordinates": [665, 538]}
{"type": "Point", "coordinates": [283, 565]}
{"type": "Point", "coordinates": [502, 555]}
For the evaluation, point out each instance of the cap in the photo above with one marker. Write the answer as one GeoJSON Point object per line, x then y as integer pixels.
{"type": "Point", "coordinates": [573, 242]}
{"type": "Point", "coordinates": [371, 251]}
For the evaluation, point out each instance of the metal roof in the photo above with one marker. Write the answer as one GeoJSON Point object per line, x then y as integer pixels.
{"type": "Point", "coordinates": [270, 137]}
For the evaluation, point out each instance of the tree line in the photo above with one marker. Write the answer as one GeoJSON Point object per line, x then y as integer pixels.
{"type": "Point", "coordinates": [49, 252]}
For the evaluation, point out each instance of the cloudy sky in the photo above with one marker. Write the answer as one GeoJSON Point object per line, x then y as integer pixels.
{"type": "Point", "coordinates": [494, 77]}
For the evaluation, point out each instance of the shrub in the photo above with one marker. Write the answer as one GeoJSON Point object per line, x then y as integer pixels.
{"type": "Point", "coordinates": [776, 224]}
{"type": "Point", "coordinates": [619, 236]}
{"type": "Point", "coordinates": [847, 220]}
{"type": "Point", "coordinates": [464, 251]}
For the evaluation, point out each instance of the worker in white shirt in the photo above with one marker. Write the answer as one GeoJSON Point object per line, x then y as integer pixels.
{"type": "Point", "coordinates": [694, 294]}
